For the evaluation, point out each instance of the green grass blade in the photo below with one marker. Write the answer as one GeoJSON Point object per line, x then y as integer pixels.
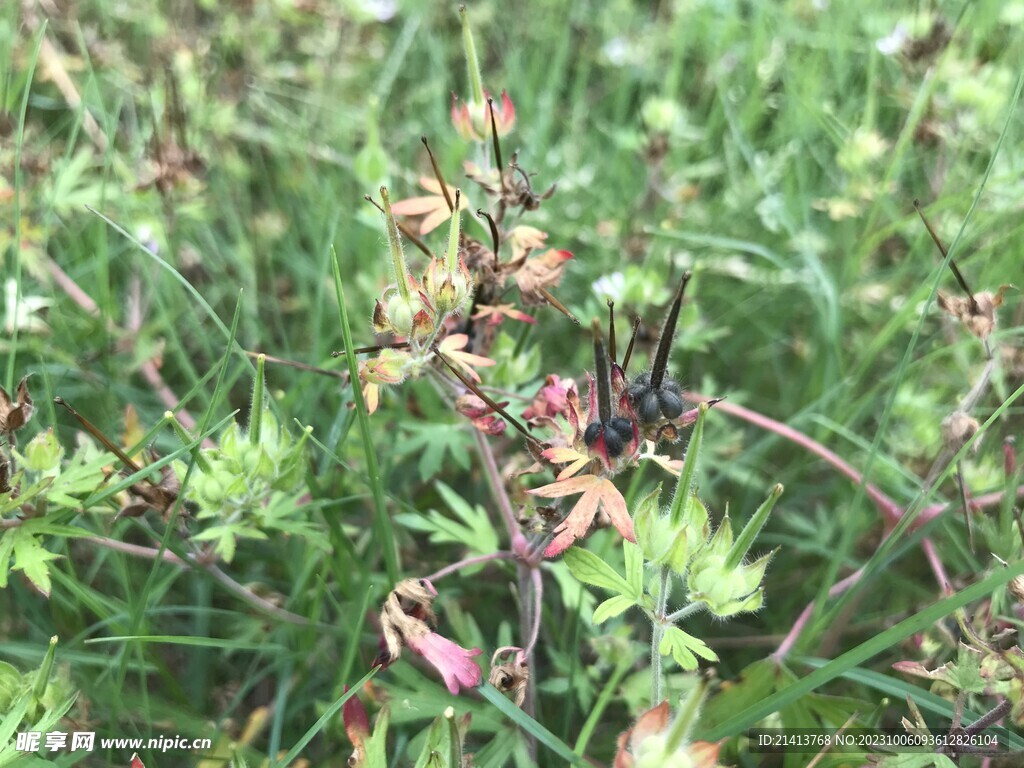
{"type": "Point", "coordinates": [381, 521]}
{"type": "Point", "coordinates": [866, 650]}
{"type": "Point", "coordinates": [324, 719]}
{"type": "Point", "coordinates": [528, 724]}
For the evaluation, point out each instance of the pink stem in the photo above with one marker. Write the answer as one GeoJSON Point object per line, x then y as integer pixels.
{"type": "Point", "coordinates": [193, 561]}
{"type": "Point", "coordinates": [538, 594]}
{"type": "Point", "coordinates": [798, 626]}
{"type": "Point", "coordinates": [890, 510]}
{"type": "Point", "coordinates": [449, 569]}
{"type": "Point", "coordinates": [936, 564]}
{"type": "Point", "coordinates": [518, 541]}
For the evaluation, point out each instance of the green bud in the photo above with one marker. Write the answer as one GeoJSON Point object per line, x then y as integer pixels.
{"type": "Point", "coordinates": [401, 310]}
{"type": "Point", "coordinates": [43, 453]}
{"type": "Point", "coordinates": [660, 115]}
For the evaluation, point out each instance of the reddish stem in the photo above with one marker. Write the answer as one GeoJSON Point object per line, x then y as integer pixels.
{"type": "Point", "coordinates": [891, 511]}
{"type": "Point", "coordinates": [449, 569]}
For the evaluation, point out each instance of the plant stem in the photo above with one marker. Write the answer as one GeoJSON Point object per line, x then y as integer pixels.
{"type": "Point", "coordinates": [538, 595]}
{"type": "Point", "coordinates": [519, 544]}
{"type": "Point", "coordinates": [683, 613]}
{"type": "Point", "coordinates": [450, 569]}
{"type": "Point", "coordinates": [890, 510]}
{"type": "Point", "coordinates": [657, 632]}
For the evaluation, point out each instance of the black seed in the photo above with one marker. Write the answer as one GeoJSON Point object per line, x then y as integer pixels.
{"type": "Point", "coordinates": [612, 443]}
{"type": "Point", "coordinates": [671, 404]}
{"type": "Point", "coordinates": [648, 409]}
{"type": "Point", "coordinates": [593, 432]}
{"type": "Point", "coordinates": [623, 427]}
{"type": "Point", "coordinates": [642, 379]}
{"type": "Point", "coordinates": [670, 385]}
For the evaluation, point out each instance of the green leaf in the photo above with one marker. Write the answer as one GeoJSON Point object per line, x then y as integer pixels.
{"type": "Point", "coordinates": [591, 569]}
{"type": "Point", "coordinates": [612, 607]}
{"type": "Point", "coordinates": [31, 558]}
{"type": "Point", "coordinates": [528, 724]}
{"type": "Point", "coordinates": [685, 648]}
{"type": "Point", "coordinates": [443, 747]}
{"type": "Point", "coordinates": [376, 746]}
{"type": "Point", "coordinates": [634, 567]}
{"type": "Point", "coordinates": [473, 528]}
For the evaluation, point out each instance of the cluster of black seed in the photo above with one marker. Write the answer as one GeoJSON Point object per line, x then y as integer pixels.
{"type": "Point", "coordinates": [617, 434]}
{"type": "Point", "coordinates": [651, 402]}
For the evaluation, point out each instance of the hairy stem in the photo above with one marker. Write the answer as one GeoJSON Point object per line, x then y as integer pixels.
{"type": "Point", "coordinates": [466, 563]}
{"type": "Point", "coordinates": [657, 632]}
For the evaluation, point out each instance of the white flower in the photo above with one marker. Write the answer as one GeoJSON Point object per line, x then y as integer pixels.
{"type": "Point", "coordinates": [892, 43]}
{"type": "Point", "coordinates": [610, 286]}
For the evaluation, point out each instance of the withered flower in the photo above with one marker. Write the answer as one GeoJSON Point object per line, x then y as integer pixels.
{"type": "Point", "coordinates": [481, 414]}
{"type": "Point", "coordinates": [14, 414]}
{"type": "Point", "coordinates": [958, 428]}
{"type": "Point", "coordinates": [977, 313]}
{"type": "Point", "coordinates": [406, 620]}
{"type": "Point", "coordinates": [511, 676]}
{"type": "Point", "coordinates": [539, 273]}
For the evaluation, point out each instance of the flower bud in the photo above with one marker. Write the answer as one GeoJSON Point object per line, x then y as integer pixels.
{"type": "Point", "coordinates": [402, 312]}
{"type": "Point", "coordinates": [43, 453]}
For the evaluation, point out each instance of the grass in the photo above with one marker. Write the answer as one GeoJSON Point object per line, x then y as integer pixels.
{"type": "Point", "coordinates": [792, 150]}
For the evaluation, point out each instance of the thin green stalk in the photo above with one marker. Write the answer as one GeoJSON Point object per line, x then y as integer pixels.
{"type": "Point", "coordinates": [381, 521]}
{"type": "Point", "coordinates": [657, 633]}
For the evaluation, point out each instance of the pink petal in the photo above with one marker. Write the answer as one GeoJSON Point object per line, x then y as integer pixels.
{"type": "Point", "coordinates": [434, 220]}
{"type": "Point", "coordinates": [615, 506]}
{"type": "Point", "coordinates": [450, 659]}
{"type": "Point", "coordinates": [566, 487]}
{"type": "Point", "coordinates": [416, 206]}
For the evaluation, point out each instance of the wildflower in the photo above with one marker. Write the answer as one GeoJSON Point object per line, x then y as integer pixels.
{"type": "Point", "coordinates": [539, 273]}
{"type": "Point", "coordinates": [22, 313]}
{"type": "Point", "coordinates": [406, 620]}
{"type": "Point", "coordinates": [450, 659]}
{"type": "Point", "coordinates": [551, 400]}
{"type": "Point", "coordinates": [656, 742]}
{"type": "Point", "coordinates": [434, 207]}
{"type": "Point", "coordinates": [481, 414]}
{"type": "Point", "coordinates": [597, 492]}
{"type": "Point", "coordinates": [472, 119]}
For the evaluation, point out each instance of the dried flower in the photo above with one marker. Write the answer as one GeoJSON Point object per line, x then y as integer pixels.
{"type": "Point", "coordinates": [406, 620]}
{"type": "Point", "coordinates": [481, 414]}
{"type": "Point", "coordinates": [978, 314]}
{"type": "Point", "coordinates": [511, 676]}
{"type": "Point", "coordinates": [15, 414]}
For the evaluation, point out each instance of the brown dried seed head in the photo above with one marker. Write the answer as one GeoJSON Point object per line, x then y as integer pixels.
{"type": "Point", "coordinates": [15, 414]}
{"type": "Point", "coordinates": [958, 428]}
{"type": "Point", "coordinates": [980, 316]}
{"type": "Point", "coordinates": [1016, 587]}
